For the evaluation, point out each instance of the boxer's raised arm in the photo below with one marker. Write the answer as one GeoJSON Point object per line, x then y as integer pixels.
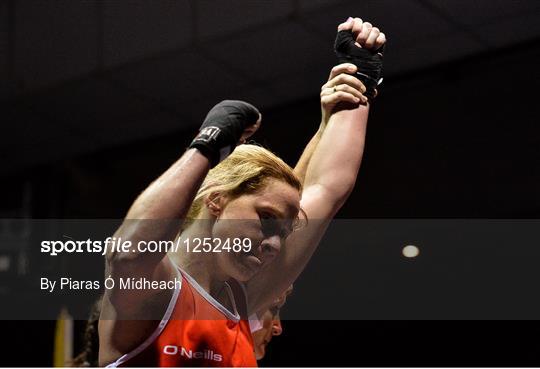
{"type": "Point", "coordinates": [330, 175]}
{"type": "Point", "coordinates": [156, 215]}
{"type": "Point", "coordinates": [340, 89]}
{"type": "Point", "coordinates": [158, 212]}
{"type": "Point", "coordinates": [301, 167]}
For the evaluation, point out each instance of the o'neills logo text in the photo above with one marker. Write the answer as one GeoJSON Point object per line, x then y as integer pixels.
{"type": "Point", "coordinates": [190, 354]}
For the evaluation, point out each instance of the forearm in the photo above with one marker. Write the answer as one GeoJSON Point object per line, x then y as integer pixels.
{"type": "Point", "coordinates": [158, 212]}
{"type": "Point", "coordinates": [170, 195]}
{"type": "Point", "coordinates": [336, 159]}
{"type": "Point", "coordinates": [301, 167]}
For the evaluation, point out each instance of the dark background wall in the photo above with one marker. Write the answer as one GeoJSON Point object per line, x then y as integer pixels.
{"type": "Point", "coordinates": [457, 139]}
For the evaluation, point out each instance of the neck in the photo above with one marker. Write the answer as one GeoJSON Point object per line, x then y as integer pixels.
{"type": "Point", "coordinates": [202, 266]}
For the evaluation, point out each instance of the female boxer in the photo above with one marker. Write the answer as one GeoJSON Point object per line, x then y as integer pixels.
{"type": "Point", "coordinates": [227, 192]}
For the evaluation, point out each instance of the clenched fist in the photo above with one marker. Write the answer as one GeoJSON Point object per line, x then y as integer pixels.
{"type": "Point", "coordinates": [227, 124]}
{"type": "Point", "coordinates": [361, 44]}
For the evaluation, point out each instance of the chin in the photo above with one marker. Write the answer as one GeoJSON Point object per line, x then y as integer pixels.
{"type": "Point", "coordinates": [240, 273]}
{"type": "Point", "coordinates": [244, 274]}
{"type": "Point", "coordinates": [243, 270]}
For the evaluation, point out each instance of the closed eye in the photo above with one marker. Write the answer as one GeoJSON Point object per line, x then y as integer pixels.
{"type": "Point", "coordinates": [272, 226]}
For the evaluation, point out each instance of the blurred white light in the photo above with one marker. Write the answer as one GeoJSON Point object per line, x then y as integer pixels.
{"type": "Point", "coordinates": [410, 251]}
{"type": "Point", "coordinates": [4, 263]}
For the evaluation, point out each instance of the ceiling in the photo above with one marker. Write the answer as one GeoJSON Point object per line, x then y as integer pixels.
{"type": "Point", "coordinates": [78, 76]}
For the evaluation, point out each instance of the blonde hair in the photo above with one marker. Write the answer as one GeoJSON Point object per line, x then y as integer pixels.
{"type": "Point", "coordinates": [245, 171]}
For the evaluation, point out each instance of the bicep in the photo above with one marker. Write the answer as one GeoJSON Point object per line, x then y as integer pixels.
{"type": "Point", "coordinates": [320, 207]}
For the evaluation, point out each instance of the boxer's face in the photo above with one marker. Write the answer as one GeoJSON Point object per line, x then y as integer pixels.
{"type": "Point", "coordinates": [271, 326]}
{"type": "Point", "coordinates": [263, 220]}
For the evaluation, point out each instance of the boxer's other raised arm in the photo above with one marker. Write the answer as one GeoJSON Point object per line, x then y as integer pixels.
{"type": "Point", "coordinates": [330, 175]}
{"type": "Point", "coordinates": [158, 212]}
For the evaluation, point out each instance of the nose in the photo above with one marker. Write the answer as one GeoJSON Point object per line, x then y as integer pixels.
{"type": "Point", "coordinates": [271, 247]}
{"type": "Point", "coordinates": [277, 329]}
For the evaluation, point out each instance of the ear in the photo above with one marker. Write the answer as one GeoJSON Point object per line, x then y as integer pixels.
{"type": "Point", "coordinates": [215, 202]}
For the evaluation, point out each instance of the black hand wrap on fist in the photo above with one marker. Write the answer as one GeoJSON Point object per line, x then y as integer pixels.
{"type": "Point", "coordinates": [222, 129]}
{"type": "Point", "coordinates": [369, 63]}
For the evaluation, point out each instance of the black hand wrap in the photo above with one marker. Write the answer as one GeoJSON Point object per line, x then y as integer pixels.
{"type": "Point", "coordinates": [369, 63]}
{"type": "Point", "coordinates": [222, 129]}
